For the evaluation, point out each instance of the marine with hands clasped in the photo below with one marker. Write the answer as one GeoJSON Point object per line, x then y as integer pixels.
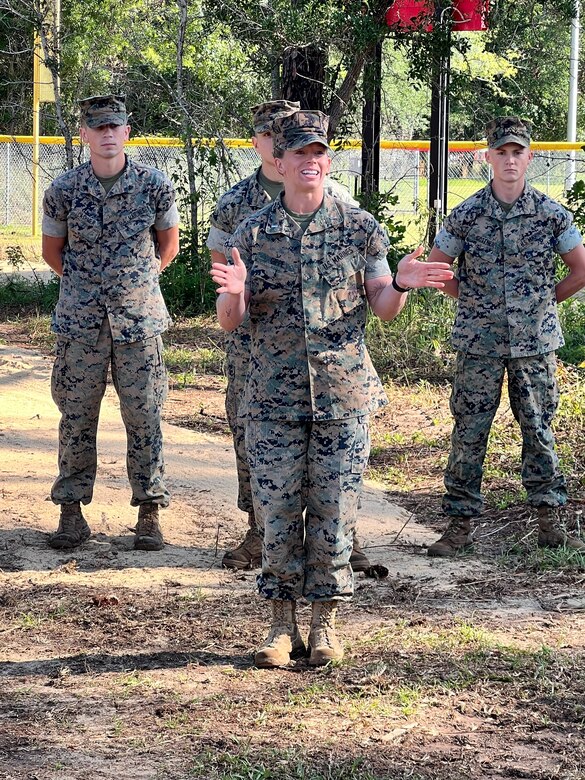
{"type": "Point", "coordinates": [306, 266]}
{"type": "Point", "coordinates": [241, 201]}
{"type": "Point", "coordinates": [110, 226]}
{"type": "Point", "coordinates": [506, 237]}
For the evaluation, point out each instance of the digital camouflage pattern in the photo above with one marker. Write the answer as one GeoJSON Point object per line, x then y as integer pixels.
{"type": "Point", "coordinates": [307, 556]}
{"type": "Point", "coordinates": [264, 114]}
{"type": "Point", "coordinates": [507, 304]}
{"type": "Point", "coordinates": [533, 395]}
{"type": "Point", "coordinates": [78, 384]}
{"type": "Point", "coordinates": [508, 130]}
{"type": "Point", "coordinates": [241, 201]}
{"type": "Point", "coordinates": [110, 263]}
{"type": "Point", "coordinates": [103, 110]}
{"type": "Point", "coordinates": [308, 312]}
{"type": "Point", "coordinates": [294, 131]}
{"type": "Point", "coordinates": [110, 313]}
{"type": "Point", "coordinates": [506, 321]}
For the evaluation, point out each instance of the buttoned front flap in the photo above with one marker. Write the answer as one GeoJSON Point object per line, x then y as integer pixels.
{"type": "Point", "coordinates": [339, 266]}
{"type": "Point", "coordinates": [270, 280]}
{"type": "Point", "coordinates": [343, 283]}
{"type": "Point", "coordinates": [136, 221]}
{"type": "Point", "coordinates": [82, 228]}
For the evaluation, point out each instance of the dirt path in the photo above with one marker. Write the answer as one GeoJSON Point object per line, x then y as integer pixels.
{"type": "Point", "coordinates": [121, 663]}
{"type": "Point", "coordinates": [200, 523]}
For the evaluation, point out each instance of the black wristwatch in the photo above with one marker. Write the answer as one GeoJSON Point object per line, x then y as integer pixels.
{"type": "Point", "coordinates": [398, 288]}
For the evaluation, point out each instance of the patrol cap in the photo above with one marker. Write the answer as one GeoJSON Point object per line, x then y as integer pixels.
{"type": "Point", "coordinates": [264, 114]}
{"type": "Point", "coordinates": [300, 129]}
{"type": "Point", "coordinates": [103, 110]}
{"type": "Point", "coordinates": [508, 130]}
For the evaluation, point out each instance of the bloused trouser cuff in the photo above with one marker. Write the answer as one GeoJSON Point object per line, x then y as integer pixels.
{"type": "Point", "coordinates": [475, 397]}
{"type": "Point", "coordinates": [307, 556]}
{"type": "Point", "coordinates": [78, 384]}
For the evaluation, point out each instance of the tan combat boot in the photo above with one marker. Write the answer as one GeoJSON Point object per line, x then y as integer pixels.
{"type": "Point", "coordinates": [72, 530]}
{"type": "Point", "coordinates": [551, 533]}
{"type": "Point", "coordinates": [248, 554]}
{"type": "Point", "coordinates": [148, 534]}
{"type": "Point", "coordinates": [284, 640]}
{"type": "Point", "coordinates": [359, 560]}
{"type": "Point", "coordinates": [456, 538]}
{"type": "Point", "coordinates": [323, 642]}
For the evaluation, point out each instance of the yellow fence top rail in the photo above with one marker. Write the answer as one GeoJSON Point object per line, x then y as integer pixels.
{"type": "Point", "coordinates": [243, 143]}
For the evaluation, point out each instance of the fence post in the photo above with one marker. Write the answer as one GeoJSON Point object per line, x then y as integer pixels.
{"type": "Point", "coordinates": [416, 190]}
{"type": "Point", "coordinates": [7, 196]}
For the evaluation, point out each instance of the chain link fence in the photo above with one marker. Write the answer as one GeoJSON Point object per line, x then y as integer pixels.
{"type": "Point", "coordinates": [403, 172]}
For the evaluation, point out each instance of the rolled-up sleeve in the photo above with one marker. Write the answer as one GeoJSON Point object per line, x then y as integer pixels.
{"type": "Point", "coordinates": [167, 215]}
{"type": "Point", "coordinates": [217, 239]}
{"type": "Point", "coordinates": [568, 238]}
{"type": "Point", "coordinates": [377, 254]}
{"type": "Point", "coordinates": [448, 243]}
{"type": "Point", "coordinates": [167, 220]}
{"type": "Point", "coordinates": [54, 213]}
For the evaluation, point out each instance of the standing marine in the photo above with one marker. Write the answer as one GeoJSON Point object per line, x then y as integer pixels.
{"type": "Point", "coordinates": [506, 237]}
{"type": "Point", "coordinates": [110, 226]}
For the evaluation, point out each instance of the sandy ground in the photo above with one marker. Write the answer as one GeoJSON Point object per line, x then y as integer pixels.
{"type": "Point", "coordinates": [200, 523]}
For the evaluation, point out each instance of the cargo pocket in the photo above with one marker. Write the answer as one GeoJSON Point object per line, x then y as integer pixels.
{"type": "Point", "coordinates": [361, 446]}
{"type": "Point", "coordinates": [60, 373]}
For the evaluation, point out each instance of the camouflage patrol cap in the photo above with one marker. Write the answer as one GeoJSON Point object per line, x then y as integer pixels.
{"type": "Point", "coordinates": [300, 129]}
{"type": "Point", "coordinates": [508, 130]}
{"type": "Point", "coordinates": [103, 110]}
{"type": "Point", "coordinates": [264, 114]}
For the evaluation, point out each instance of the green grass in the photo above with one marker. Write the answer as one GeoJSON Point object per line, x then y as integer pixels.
{"type": "Point", "coordinates": [281, 765]}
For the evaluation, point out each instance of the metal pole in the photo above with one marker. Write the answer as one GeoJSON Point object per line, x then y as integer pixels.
{"type": "Point", "coordinates": [7, 196]}
{"type": "Point", "coordinates": [416, 193]}
{"type": "Point", "coordinates": [36, 131]}
{"type": "Point", "coordinates": [371, 124]}
{"type": "Point", "coordinates": [439, 146]}
{"type": "Point", "coordinates": [573, 93]}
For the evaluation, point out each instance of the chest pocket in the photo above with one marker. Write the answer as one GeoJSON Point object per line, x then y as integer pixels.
{"type": "Point", "coordinates": [342, 290]}
{"type": "Point", "coordinates": [271, 282]}
{"type": "Point", "coordinates": [82, 228]}
{"type": "Point", "coordinates": [136, 222]}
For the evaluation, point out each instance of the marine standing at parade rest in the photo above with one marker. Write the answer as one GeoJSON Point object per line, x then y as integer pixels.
{"type": "Point", "coordinates": [506, 237]}
{"type": "Point", "coordinates": [242, 200]}
{"type": "Point", "coordinates": [110, 226]}
{"type": "Point", "coordinates": [306, 266]}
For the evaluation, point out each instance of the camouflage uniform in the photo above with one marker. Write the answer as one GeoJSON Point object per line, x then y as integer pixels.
{"type": "Point", "coordinates": [241, 201]}
{"type": "Point", "coordinates": [506, 321]}
{"type": "Point", "coordinates": [110, 311]}
{"type": "Point", "coordinates": [309, 390]}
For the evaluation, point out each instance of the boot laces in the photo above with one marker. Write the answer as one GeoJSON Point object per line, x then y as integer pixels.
{"type": "Point", "coordinates": [325, 626]}
{"type": "Point", "coordinates": [70, 516]}
{"type": "Point", "coordinates": [148, 520]}
{"type": "Point", "coordinates": [457, 526]}
{"type": "Point", "coordinates": [250, 540]}
{"type": "Point", "coordinates": [283, 623]}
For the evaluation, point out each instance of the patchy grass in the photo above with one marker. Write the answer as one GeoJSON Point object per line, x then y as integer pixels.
{"type": "Point", "coordinates": [176, 694]}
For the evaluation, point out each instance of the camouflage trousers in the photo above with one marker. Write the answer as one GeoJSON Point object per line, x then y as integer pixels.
{"type": "Point", "coordinates": [475, 397]}
{"type": "Point", "coordinates": [307, 554]}
{"type": "Point", "coordinates": [78, 384]}
{"type": "Point", "coordinates": [237, 360]}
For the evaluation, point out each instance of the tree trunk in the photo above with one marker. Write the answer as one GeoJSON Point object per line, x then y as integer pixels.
{"type": "Point", "coordinates": [303, 75]}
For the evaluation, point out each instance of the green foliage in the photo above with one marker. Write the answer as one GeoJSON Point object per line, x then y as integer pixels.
{"type": "Point", "coordinates": [380, 205]}
{"type": "Point", "coordinates": [19, 293]}
{"type": "Point", "coordinates": [576, 203]}
{"type": "Point", "coordinates": [572, 318]}
{"type": "Point", "coordinates": [416, 344]}
{"type": "Point", "coordinates": [186, 284]}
